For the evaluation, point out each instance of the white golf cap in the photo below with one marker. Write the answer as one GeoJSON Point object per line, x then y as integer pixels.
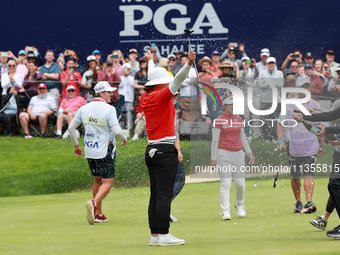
{"type": "Point", "coordinates": [271, 60]}
{"type": "Point", "coordinates": [171, 56]}
{"type": "Point", "coordinates": [228, 100]}
{"type": "Point", "coordinates": [245, 58]}
{"type": "Point", "coordinates": [158, 75]}
{"type": "Point", "coordinates": [91, 58]}
{"type": "Point", "coordinates": [103, 86]}
{"type": "Point", "coordinates": [70, 87]}
{"type": "Point", "coordinates": [302, 80]}
{"type": "Point", "coordinates": [265, 52]}
{"type": "Point", "coordinates": [127, 65]}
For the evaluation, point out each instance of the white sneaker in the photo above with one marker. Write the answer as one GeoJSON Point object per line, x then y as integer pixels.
{"type": "Point", "coordinates": [172, 218]}
{"type": "Point", "coordinates": [168, 239]}
{"type": "Point", "coordinates": [66, 135]}
{"type": "Point", "coordinates": [135, 137]}
{"type": "Point", "coordinates": [226, 215]}
{"type": "Point", "coordinates": [240, 211]}
{"type": "Point", "coordinates": [153, 240]}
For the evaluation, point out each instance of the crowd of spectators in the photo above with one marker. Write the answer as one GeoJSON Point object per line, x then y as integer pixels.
{"type": "Point", "coordinates": [44, 92]}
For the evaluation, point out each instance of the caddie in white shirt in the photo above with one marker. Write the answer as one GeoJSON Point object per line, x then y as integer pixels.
{"type": "Point", "coordinates": [101, 126]}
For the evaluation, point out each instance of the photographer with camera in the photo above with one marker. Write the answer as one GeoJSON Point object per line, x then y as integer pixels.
{"type": "Point", "coordinates": [70, 77]}
{"type": "Point", "coordinates": [115, 58]}
{"type": "Point", "coordinates": [231, 52]}
{"type": "Point", "coordinates": [296, 55]}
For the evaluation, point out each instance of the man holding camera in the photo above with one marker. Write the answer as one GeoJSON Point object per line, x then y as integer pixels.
{"type": "Point", "coordinates": [231, 52]}
{"type": "Point", "coordinates": [296, 55]}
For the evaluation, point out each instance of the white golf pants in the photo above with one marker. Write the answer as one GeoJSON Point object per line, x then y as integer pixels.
{"type": "Point", "coordinates": [232, 165]}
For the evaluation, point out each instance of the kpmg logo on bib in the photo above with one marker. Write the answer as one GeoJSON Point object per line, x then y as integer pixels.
{"type": "Point", "coordinates": [163, 22]}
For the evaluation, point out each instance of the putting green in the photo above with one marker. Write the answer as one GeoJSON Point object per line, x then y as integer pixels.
{"type": "Point", "coordinates": [56, 224]}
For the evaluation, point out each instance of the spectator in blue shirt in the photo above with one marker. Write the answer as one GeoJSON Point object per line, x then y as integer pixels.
{"type": "Point", "coordinates": [50, 75]}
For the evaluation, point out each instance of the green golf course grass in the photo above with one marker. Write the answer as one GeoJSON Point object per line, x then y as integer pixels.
{"type": "Point", "coordinates": [56, 224]}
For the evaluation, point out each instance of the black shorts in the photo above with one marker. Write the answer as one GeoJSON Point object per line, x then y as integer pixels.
{"type": "Point", "coordinates": [103, 167]}
{"type": "Point", "coordinates": [51, 119]}
{"type": "Point", "coordinates": [296, 164]}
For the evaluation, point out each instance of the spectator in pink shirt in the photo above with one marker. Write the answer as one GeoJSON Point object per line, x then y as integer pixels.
{"type": "Point", "coordinates": [22, 61]}
{"type": "Point", "coordinates": [109, 75]}
{"type": "Point", "coordinates": [114, 57]}
{"type": "Point", "coordinates": [68, 108]}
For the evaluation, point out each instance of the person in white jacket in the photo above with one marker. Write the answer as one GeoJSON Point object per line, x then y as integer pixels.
{"type": "Point", "coordinates": [11, 79]}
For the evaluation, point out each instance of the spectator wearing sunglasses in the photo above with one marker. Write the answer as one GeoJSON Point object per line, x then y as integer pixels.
{"type": "Point", "coordinates": [68, 108]}
{"type": "Point", "coordinates": [11, 80]}
{"type": "Point", "coordinates": [114, 57]}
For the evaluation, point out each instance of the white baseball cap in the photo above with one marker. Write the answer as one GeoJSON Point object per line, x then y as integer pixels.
{"type": "Point", "coordinates": [302, 80]}
{"type": "Point", "coordinates": [91, 58]}
{"type": "Point", "coordinates": [127, 65]}
{"type": "Point", "coordinates": [158, 75]}
{"type": "Point", "coordinates": [103, 86]}
{"type": "Point", "coordinates": [245, 58]}
{"type": "Point", "coordinates": [265, 52]}
{"type": "Point", "coordinates": [271, 60]}
{"type": "Point", "coordinates": [70, 87]}
{"type": "Point", "coordinates": [228, 100]}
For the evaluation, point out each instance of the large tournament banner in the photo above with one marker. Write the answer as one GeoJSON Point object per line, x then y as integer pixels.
{"type": "Point", "coordinates": [163, 23]}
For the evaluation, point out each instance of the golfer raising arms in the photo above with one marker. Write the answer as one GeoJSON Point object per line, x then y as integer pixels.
{"type": "Point", "coordinates": [228, 139]}
{"type": "Point", "coordinates": [161, 156]}
{"type": "Point", "coordinates": [100, 123]}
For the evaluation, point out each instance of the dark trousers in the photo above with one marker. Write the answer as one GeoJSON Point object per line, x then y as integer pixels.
{"type": "Point", "coordinates": [335, 166]}
{"type": "Point", "coordinates": [162, 168]}
{"type": "Point", "coordinates": [334, 182]}
{"type": "Point", "coordinates": [180, 179]}
{"type": "Point", "coordinates": [8, 120]}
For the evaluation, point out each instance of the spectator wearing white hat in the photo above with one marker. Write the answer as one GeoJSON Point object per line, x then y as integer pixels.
{"type": "Point", "coordinates": [262, 65]}
{"type": "Point", "coordinates": [172, 64]}
{"type": "Point", "coordinates": [161, 155]}
{"type": "Point", "coordinates": [68, 108]}
{"type": "Point", "coordinates": [271, 78]}
{"type": "Point", "coordinates": [133, 54]}
{"type": "Point", "coordinates": [87, 81]}
{"type": "Point", "coordinates": [100, 123]}
{"type": "Point", "coordinates": [228, 140]}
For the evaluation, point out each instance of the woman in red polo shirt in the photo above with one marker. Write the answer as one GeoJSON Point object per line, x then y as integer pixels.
{"type": "Point", "coordinates": [228, 139]}
{"type": "Point", "coordinates": [161, 156]}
